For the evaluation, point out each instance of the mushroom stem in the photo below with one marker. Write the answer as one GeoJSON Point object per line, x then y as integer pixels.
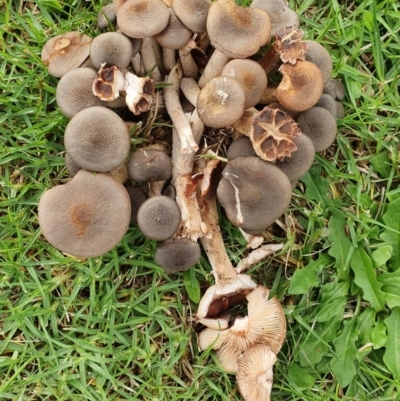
{"type": "Point", "coordinates": [155, 188]}
{"type": "Point", "coordinates": [149, 59]}
{"type": "Point", "coordinates": [190, 89]}
{"type": "Point", "coordinates": [269, 96]}
{"type": "Point", "coordinates": [169, 58]}
{"type": "Point", "coordinates": [214, 67]}
{"type": "Point", "coordinates": [257, 255]}
{"type": "Point", "coordinates": [190, 69]}
{"type": "Point", "coordinates": [137, 65]}
{"type": "Point", "coordinates": [174, 108]}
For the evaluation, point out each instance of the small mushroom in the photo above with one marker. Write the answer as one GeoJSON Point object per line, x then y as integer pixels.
{"type": "Point", "coordinates": [221, 102]}
{"type": "Point", "coordinates": [97, 139]}
{"type": "Point", "coordinates": [158, 218]}
{"type": "Point", "coordinates": [74, 91]}
{"type": "Point", "coordinates": [328, 103]}
{"type": "Point", "coordinates": [106, 16]}
{"type": "Point", "coordinates": [87, 216]}
{"type": "Point", "coordinates": [65, 52]}
{"type": "Point", "coordinates": [319, 125]}
{"type": "Point", "coordinates": [319, 56]}
{"type": "Point", "coordinates": [250, 75]}
{"type": "Point", "coordinates": [111, 48]}
{"type": "Point", "coordinates": [255, 373]}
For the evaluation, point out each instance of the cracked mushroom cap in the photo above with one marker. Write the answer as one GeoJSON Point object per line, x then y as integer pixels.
{"type": "Point", "coordinates": [250, 28]}
{"type": "Point", "coordinates": [279, 13]}
{"type": "Point", "coordinates": [97, 139]}
{"type": "Point", "coordinates": [65, 52]}
{"type": "Point", "coordinates": [319, 56]}
{"type": "Point", "coordinates": [250, 75]}
{"type": "Point", "coordinates": [255, 373]}
{"type": "Point", "coordinates": [86, 217]}
{"type": "Point", "coordinates": [254, 193]}
{"type": "Point", "coordinates": [74, 91]}
{"type": "Point", "coordinates": [177, 254]}
{"type": "Point", "coordinates": [142, 18]}
{"type": "Point", "coordinates": [175, 35]}
{"type": "Point", "coordinates": [301, 86]}
{"type": "Point", "coordinates": [149, 165]}
{"type": "Point", "coordinates": [111, 48]}
{"type": "Point", "coordinates": [221, 102]}
{"type": "Point", "coordinates": [265, 323]}
{"type": "Point", "coordinates": [192, 13]}
{"type": "Point", "coordinates": [301, 160]}
{"type": "Point", "coordinates": [159, 218]}
{"type": "Point", "coordinates": [319, 125]}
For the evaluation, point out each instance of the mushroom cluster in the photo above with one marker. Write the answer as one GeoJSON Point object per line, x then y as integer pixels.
{"type": "Point", "coordinates": [192, 67]}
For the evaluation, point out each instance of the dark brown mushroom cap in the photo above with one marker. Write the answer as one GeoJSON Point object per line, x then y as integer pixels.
{"type": "Point", "coordinates": [301, 86]}
{"type": "Point", "coordinates": [105, 16]}
{"type": "Point", "coordinates": [253, 192]}
{"type": "Point", "coordinates": [327, 102]}
{"type": "Point", "coordinates": [149, 165]}
{"type": "Point", "coordinates": [97, 139]}
{"type": "Point", "coordinates": [177, 255]}
{"type": "Point", "coordinates": [241, 147]}
{"type": "Point", "coordinates": [236, 31]}
{"type": "Point", "coordinates": [86, 217]}
{"type": "Point", "coordinates": [65, 52]}
{"type": "Point", "coordinates": [250, 75]}
{"type": "Point", "coordinates": [159, 217]}
{"type": "Point", "coordinates": [301, 160]}
{"type": "Point", "coordinates": [318, 55]}
{"type": "Point", "coordinates": [111, 48]}
{"type": "Point", "coordinates": [192, 13]}
{"type": "Point", "coordinates": [74, 91]}
{"type": "Point", "coordinates": [142, 18]}
{"type": "Point", "coordinates": [272, 134]}
{"type": "Point", "coordinates": [137, 197]}
{"type": "Point", "coordinates": [221, 102]}
{"type": "Point", "coordinates": [175, 35]}
{"type": "Point", "coordinates": [319, 125]}
{"type": "Point", "coordinates": [255, 373]}
{"type": "Point", "coordinates": [279, 13]}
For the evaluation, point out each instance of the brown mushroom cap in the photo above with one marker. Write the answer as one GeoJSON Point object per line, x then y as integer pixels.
{"type": "Point", "coordinates": [149, 165]}
{"type": "Point", "coordinates": [301, 160]}
{"type": "Point", "coordinates": [241, 147]}
{"type": "Point", "coordinates": [319, 125]}
{"type": "Point", "coordinates": [86, 217]}
{"type": "Point", "coordinates": [97, 139]}
{"type": "Point", "coordinates": [264, 324]}
{"type": "Point", "coordinates": [279, 13]}
{"type": "Point", "coordinates": [255, 373]}
{"type": "Point", "coordinates": [65, 52]}
{"type": "Point", "coordinates": [253, 192]}
{"type": "Point", "coordinates": [301, 86]}
{"type": "Point", "coordinates": [327, 102]}
{"type": "Point", "coordinates": [340, 113]}
{"type": "Point", "coordinates": [192, 13]}
{"type": "Point", "coordinates": [111, 48]}
{"type": "Point", "coordinates": [74, 91]}
{"type": "Point", "coordinates": [221, 102]}
{"type": "Point", "coordinates": [105, 16]}
{"type": "Point", "coordinates": [142, 18]}
{"type": "Point", "coordinates": [319, 56]}
{"type": "Point", "coordinates": [250, 75]}
{"type": "Point", "coordinates": [159, 217]}
{"type": "Point", "coordinates": [236, 31]}
{"type": "Point", "coordinates": [174, 35]}
{"type": "Point", "coordinates": [177, 255]}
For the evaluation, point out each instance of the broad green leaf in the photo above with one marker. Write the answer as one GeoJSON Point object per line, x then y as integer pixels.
{"type": "Point", "coordinates": [392, 353]}
{"type": "Point", "coordinates": [369, 20]}
{"type": "Point", "coordinates": [390, 287]}
{"type": "Point", "coordinates": [343, 363]}
{"type": "Point", "coordinates": [381, 255]}
{"type": "Point", "coordinates": [300, 377]}
{"type": "Point", "coordinates": [330, 310]}
{"type": "Point", "coordinates": [378, 334]}
{"type": "Point", "coordinates": [342, 247]}
{"type": "Point", "coordinates": [192, 285]}
{"type": "Point", "coordinates": [391, 235]}
{"type": "Point", "coordinates": [381, 163]}
{"type": "Point", "coordinates": [365, 322]}
{"type": "Point", "coordinates": [317, 345]}
{"type": "Point", "coordinates": [365, 278]}
{"type": "Point", "coordinates": [334, 290]}
{"type": "Point", "coordinates": [304, 279]}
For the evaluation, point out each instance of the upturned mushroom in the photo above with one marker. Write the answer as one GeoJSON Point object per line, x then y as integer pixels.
{"type": "Point", "coordinates": [86, 217]}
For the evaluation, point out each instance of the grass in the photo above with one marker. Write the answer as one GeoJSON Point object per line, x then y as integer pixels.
{"type": "Point", "coordinates": [118, 328]}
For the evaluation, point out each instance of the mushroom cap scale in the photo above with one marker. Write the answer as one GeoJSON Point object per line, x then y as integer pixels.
{"type": "Point", "coordinates": [86, 217]}
{"type": "Point", "coordinates": [97, 139]}
{"type": "Point", "coordinates": [250, 28]}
